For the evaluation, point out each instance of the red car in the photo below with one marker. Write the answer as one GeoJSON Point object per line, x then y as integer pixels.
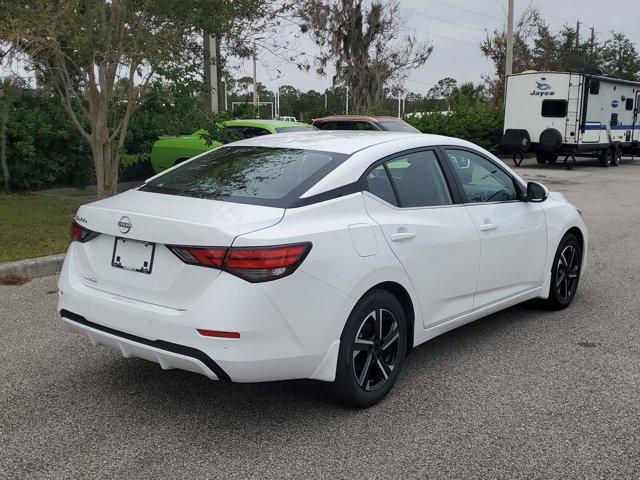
{"type": "Point", "coordinates": [360, 122]}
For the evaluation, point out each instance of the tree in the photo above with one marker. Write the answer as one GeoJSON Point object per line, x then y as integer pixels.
{"type": "Point", "coordinates": [363, 43]}
{"type": "Point", "coordinates": [443, 90]}
{"type": "Point", "coordinates": [100, 55]}
{"type": "Point", "coordinates": [9, 92]}
{"type": "Point", "coordinates": [620, 59]}
{"type": "Point", "coordinates": [494, 47]}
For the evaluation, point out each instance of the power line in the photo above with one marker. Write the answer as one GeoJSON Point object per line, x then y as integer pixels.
{"type": "Point", "coordinates": [442, 19]}
{"type": "Point", "coordinates": [442, 36]}
{"type": "Point", "coordinates": [468, 11]}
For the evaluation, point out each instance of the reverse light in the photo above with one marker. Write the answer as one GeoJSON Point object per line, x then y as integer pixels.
{"type": "Point", "coordinates": [253, 264]}
{"type": "Point", "coordinates": [81, 234]}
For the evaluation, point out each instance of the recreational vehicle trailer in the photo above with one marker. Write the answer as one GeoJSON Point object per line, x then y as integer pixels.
{"type": "Point", "coordinates": [569, 114]}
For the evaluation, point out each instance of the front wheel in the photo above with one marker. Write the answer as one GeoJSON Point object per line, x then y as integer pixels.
{"type": "Point", "coordinates": [372, 350]}
{"type": "Point", "coordinates": [606, 157]}
{"type": "Point", "coordinates": [565, 273]}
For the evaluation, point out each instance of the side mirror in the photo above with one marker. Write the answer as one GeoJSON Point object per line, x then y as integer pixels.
{"type": "Point", "coordinates": [536, 192]}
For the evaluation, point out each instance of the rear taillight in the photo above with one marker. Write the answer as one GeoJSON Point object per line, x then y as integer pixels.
{"type": "Point", "coordinates": [81, 234]}
{"type": "Point", "coordinates": [254, 264]}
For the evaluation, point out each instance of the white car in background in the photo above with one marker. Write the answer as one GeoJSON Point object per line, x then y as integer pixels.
{"type": "Point", "coordinates": [320, 255]}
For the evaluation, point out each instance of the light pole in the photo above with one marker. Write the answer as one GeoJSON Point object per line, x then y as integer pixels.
{"type": "Point", "coordinates": [347, 102]}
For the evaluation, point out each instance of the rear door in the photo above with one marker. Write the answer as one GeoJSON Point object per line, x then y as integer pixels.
{"type": "Point", "coordinates": [513, 233]}
{"type": "Point", "coordinates": [434, 237]}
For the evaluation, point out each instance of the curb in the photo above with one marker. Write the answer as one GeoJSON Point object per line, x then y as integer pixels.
{"type": "Point", "coordinates": [33, 267]}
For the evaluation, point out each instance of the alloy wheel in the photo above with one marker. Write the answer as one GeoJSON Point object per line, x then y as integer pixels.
{"type": "Point", "coordinates": [375, 349]}
{"type": "Point", "coordinates": [567, 272]}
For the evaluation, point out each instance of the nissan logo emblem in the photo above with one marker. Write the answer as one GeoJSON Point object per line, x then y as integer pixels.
{"type": "Point", "coordinates": [125, 224]}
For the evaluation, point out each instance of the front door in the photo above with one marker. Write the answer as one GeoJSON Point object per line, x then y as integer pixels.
{"type": "Point", "coordinates": [513, 233]}
{"type": "Point", "coordinates": [435, 240]}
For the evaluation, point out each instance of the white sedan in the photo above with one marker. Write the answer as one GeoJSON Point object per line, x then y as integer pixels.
{"type": "Point", "coordinates": [320, 255]}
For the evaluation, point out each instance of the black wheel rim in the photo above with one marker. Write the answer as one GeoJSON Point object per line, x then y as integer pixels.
{"type": "Point", "coordinates": [567, 272]}
{"type": "Point", "coordinates": [375, 349]}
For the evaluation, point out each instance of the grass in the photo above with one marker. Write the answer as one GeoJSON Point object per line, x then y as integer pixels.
{"type": "Point", "coordinates": [34, 226]}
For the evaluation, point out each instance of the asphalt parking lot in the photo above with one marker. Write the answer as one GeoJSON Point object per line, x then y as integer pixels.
{"type": "Point", "coordinates": [524, 393]}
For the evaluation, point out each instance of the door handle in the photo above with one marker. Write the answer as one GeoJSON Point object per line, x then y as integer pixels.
{"type": "Point", "coordinates": [487, 227]}
{"type": "Point", "coordinates": [399, 237]}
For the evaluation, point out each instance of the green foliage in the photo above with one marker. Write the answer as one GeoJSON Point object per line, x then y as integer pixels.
{"type": "Point", "coordinates": [480, 123]}
{"type": "Point", "coordinates": [43, 148]}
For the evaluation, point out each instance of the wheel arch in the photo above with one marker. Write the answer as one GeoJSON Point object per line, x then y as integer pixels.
{"type": "Point", "coordinates": [403, 296]}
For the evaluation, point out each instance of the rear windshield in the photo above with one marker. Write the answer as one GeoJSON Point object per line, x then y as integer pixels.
{"type": "Point", "coordinates": [256, 175]}
{"type": "Point", "coordinates": [397, 127]}
{"type": "Point", "coordinates": [295, 128]}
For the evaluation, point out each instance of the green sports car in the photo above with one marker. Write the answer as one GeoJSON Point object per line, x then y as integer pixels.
{"type": "Point", "coordinates": [170, 151]}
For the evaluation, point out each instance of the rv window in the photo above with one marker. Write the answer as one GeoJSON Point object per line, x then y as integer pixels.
{"type": "Point", "coordinates": [594, 87]}
{"type": "Point", "coordinates": [554, 108]}
{"type": "Point", "coordinates": [629, 104]}
{"type": "Point", "coordinates": [614, 120]}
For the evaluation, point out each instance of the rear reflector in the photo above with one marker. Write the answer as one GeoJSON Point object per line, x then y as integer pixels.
{"type": "Point", "coordinates": [254, 264]}
{"type": "Point", "coordinates": [217, 333]}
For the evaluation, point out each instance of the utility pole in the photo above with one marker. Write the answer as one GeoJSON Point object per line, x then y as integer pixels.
{"type": "Point", "coordinates": [399, 105]}
{"type": "Point", "coordinates": [255, 83]}
{"type": "Point", "coordinates": [325, 100]}
{"type": "Point", "coordinates": [592, 40]}
{"type": "Point", "coordinates": [347, 106]}
{"type": "Point", "coordinates": [508, 69]}
{"type": "Point", "coordinates": [578, 34]}
{"type": "Point", "coordinates": [212, 104]}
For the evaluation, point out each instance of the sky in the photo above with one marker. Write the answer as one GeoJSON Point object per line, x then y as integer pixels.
{"type": "Point", "coordinates": [456, 53]}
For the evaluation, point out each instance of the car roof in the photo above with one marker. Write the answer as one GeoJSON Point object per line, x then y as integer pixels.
{"type": "Point", "coordinates": [266, 123]}
{"type": "Point", "coordinates": [351, 118]}
{"type": "Point", "coordinates": [342, 141]}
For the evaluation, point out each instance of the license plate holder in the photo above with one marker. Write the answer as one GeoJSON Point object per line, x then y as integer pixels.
{"type": "Point", "coordinates": [133, 255]}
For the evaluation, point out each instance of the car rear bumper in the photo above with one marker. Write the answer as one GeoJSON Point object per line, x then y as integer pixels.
{"type": "Point", "coordinates": [288, 328]}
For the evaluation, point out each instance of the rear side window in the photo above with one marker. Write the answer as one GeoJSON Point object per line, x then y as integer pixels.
{"type": "Point", "coordinates": [295, 128]}
{"type": "Point", "coordinates": [554, 108]}
{"type": "Point", "coordinates": [256, 175]}
{"type": "Point", "coordinates": [417, 178]}
{"type": "Point", "coordinates": [397, 126]}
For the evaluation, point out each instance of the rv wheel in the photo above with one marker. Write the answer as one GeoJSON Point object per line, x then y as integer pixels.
{"type": "Point", "coordinates": [546, 157]}
{"type": "Point", "coordinates": [617, 157]}
{"type": "Point", "coordinates": [540, 158]}
{"type": "Point", "coordinates": [606, 157]}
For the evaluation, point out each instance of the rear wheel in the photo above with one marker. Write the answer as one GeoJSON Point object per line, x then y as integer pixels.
{"type": "Point", "coordinates": [372, 350]}
{"type": "Point", "coordinates": [606, 157]}
{"type": "Point", "coordinates": [616, 157]}
{"type": "Point", "coordinates": [565, 273]}
{"type": "Point", "coordinates": [540, 158]}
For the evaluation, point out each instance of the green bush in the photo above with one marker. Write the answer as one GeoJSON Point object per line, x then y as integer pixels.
{"type": "Point", "coordinates": [480, 123]}
{"type": "Point", "coordinates": [43, 148]}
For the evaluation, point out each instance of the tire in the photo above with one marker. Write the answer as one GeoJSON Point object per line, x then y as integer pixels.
{"type": "Point", "coordinates": [606, 157]}
{"type": "Point", "coordinates": [546, 157]}
{"type": "Point", "coordinates": [616, 158]}
{"type": "Point", "coordinates": [565, 273]}
{"type": "Point", "coordinates": [541, 158]}
{"type": "Point", "coordinates": [367, 369]}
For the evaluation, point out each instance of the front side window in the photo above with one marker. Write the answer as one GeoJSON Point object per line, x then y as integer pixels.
{"type": "Point", "coordinates": [256, 175]}
{"type": "Point", "coordinates": [554, 108]}
{"type": "Point", "coordinates": [482, 180]}
{"type": "Point", "coordinates": [418, 181]}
